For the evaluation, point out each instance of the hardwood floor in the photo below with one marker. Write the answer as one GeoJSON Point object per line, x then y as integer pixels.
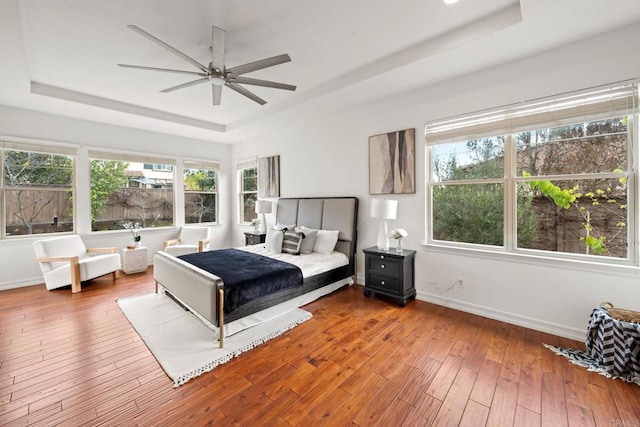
{"type": "Point", "coordinates": [75, 360]}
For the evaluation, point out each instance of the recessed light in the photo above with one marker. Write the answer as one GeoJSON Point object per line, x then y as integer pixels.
{"type": "Point", "coordinates": [450, 1]}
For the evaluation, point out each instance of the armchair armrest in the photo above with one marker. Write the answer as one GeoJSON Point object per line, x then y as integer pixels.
{"type": "Point", "coordinates": [75, 268]}
{"type": "Point", "coordinates": [103, 250]}
{"type": "Point", "coordinates": [201, 244]}
{"type": "Point", "coordinates": [169, 242]}
{"type": "Point", "coordinates": [58, 259]}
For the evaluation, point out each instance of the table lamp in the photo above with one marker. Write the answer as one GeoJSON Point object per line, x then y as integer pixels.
{"type": "Point", "coordinates": [383, 209]}
{"type": "Point", "coordinates": [263, 207]}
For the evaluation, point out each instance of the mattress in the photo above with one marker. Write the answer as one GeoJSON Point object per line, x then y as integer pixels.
{"type": "Point", "coordinates": [310, 264]}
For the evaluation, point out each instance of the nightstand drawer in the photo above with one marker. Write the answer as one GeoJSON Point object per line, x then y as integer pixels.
{"type": "Point", "coordinates": [254, 238]}
{"type": "Point", "coordinates": [385, 283]}
{"type": "Point", "coordinates": [384, 264]}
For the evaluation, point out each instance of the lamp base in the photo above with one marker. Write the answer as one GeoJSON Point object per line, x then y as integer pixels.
{"type": "Point", "coordinates": [383, 236]}
{"type": "Point", "coordinates": [262, 227]}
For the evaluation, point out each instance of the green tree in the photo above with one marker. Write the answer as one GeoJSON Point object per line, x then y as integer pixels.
{"type": "Point", "coordinates": [107, 177]}
{"type": "Point", "coordinates": [474, 212]}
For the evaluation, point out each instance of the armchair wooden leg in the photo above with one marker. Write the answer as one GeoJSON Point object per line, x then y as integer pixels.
{"type": "Point", "coordinates": [75, 277]}
{"type": "Point", "coordinates": [116, 274]}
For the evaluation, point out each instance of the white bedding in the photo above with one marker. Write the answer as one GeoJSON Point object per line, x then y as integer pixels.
{"type": "Point", "coordinates": [310, 264]}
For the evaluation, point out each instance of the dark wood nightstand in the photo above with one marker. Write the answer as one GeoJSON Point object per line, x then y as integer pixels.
{"type": "Point", "coordinates": [253, 238]}
{"type": "Point", "coordinates": [390, 273]}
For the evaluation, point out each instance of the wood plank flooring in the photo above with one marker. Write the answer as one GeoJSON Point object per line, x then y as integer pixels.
{"type": "Point", "coordinates": [73, 359]}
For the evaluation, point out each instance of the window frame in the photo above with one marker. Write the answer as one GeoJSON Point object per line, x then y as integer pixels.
{"type": "Point", "coordinates": [202, 166]}
{"type": "Point", "coordinates": [242, 166]}
{"type": "Point", "coordinates": [510, 182]}
{"type": "Point", "coordinates": [38, 148]}
{"type": "Point", "coordinates": [142, 160]}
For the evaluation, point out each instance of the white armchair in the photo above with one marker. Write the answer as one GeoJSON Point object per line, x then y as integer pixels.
{"type": "Point", "coordinates": [192, 239]}
{"type": "Point", "coordinates": [66, 261]}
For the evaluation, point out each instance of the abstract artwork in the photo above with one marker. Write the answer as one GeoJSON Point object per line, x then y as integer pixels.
{"type": "Point", "coordinates": [392, 162]}
{"type": "Point", "coordinates": [269, 177]}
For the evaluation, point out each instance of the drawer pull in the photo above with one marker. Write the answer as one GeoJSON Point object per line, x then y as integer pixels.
{"type": "Point", "coordinates": [381, 256]}
{"type": "Point", "coordinates": [381, 265]}
{"type": "Point", "coordinates": [383, 282]}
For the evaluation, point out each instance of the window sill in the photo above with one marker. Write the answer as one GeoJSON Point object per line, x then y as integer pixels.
{"type": "Point", "coordinates": [623, 267]}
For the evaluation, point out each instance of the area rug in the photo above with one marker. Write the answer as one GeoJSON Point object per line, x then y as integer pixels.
{"type": "Point", "coordinates": [184, 345]}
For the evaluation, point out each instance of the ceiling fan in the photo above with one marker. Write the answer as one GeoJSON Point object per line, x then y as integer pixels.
{"type": "Point", "coordinates": [216, 73]}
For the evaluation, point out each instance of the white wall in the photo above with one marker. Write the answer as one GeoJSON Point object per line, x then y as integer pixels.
{"type": "Point", "coordinates": [17, 266]}
{"type": "Point", "coordinates": [329, 156]}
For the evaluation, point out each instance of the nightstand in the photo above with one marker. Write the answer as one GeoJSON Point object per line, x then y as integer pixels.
{"type": "Point", "coordinates": [134, 260]}
{"type": "Point", "coordinates": [390, 273]}
{"type": "Point", "coordinates": [252, 238]}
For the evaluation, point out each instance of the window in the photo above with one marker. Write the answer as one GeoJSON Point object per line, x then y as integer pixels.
{"type": "Point", "coordinates": [123, 190]}
{"type": "Point", "coordinates": [37, 189]}
{"type": "Point", "coordinates": [550, 176]}
{"type": "Point", "coordinates": [248, 185]}
{"type": "Point", "coordinates": [200, 192]}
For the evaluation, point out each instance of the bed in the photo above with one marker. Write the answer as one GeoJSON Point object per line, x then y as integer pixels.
{"type": "Point", "coordinates": [203, 292]}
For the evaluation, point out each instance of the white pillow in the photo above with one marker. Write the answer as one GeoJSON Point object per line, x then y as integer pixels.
{"type": "Point", "coordinates": [325, 241]}
{"type": "Point", "coordinates": [273, 241]}
{"type": "Point", "coordinates": [309, 239]}
{"type": "Point", "coordinates": [284, 227]}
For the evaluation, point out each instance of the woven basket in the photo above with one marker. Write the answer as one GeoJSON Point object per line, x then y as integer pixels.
{"type": "Point", "coordinates": [621, 314]}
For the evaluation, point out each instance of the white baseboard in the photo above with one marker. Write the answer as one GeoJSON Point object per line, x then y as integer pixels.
{"type": "Point", "coordinates": [512, 318]}
{"type": "Point", "coordinates": [21, 283]}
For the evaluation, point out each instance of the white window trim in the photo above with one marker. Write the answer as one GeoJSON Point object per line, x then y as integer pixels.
{"type": "Point", "coordinates": [41, 147]}
{"type": "Point", "coordinates": [444, 131]}
{"type": "Point", "coordinates": [202, 165]}
{"type": "Point", "coordinates": [135, 157]}
{"type": "Point", "coordinates": [250, 163]}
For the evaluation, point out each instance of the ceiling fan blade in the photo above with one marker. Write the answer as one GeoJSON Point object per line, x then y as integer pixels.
{"type": "Point", "coordinates": [245, 92]}
{"type": "Point", "coordinates": [218, 41]}
{"type": "Point", "coordinates": [183, 85]}
{"type": "Point", "coordinates": [259, 65]}
{"type": "Point", "coordinates": [168, 70]}
{"type": "Point", "coordinates": [217, 94]}
{"type": "Point", "coordinates": [264, 83]}
{"type": "Point", "coordinates": [168, 47]}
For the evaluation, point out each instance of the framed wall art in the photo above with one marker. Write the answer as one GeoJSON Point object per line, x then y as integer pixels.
{"type": "Point", "coordinates": [269, 177]}
{"type": "Point", "coordinates": [392, 162]}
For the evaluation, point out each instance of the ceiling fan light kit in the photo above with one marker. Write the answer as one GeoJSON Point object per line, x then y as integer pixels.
{"type": "Point", "coordinates": [216, 73]}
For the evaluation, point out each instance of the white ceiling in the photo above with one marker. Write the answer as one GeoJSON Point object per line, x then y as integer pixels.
{"type": "Point", "coordinates": [60, 56]}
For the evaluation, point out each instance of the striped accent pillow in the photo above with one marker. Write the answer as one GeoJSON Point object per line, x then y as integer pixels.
{"type": "Point", "coordinates": [292, 242]}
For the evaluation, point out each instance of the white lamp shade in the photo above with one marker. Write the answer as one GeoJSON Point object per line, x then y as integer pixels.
{"type": "Point", "coordinates": [383, 208]}
{"type": "Point", "coordinates": [263, 206]}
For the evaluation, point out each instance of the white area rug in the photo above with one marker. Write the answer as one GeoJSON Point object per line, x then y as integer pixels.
{"type": "Point", "coordinates": [184, 346]}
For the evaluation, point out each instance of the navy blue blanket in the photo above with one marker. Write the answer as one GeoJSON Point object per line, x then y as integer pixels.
{"type": "Point", "coordinates": [246, 275]}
